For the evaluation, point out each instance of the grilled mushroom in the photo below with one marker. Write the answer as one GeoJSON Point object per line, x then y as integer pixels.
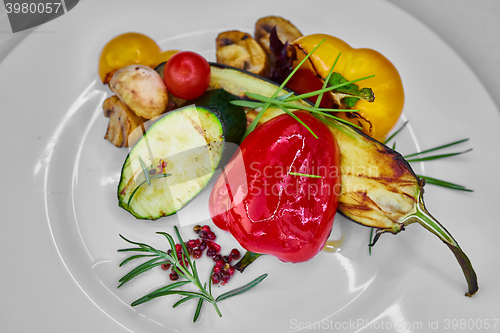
{"type": "Point", "coordinates": [124, 128]}
{"type": "Point", "coordinates": [141, 89]}
{"type": "Point", "coordinates": [241, 50]}
{"type": "Point", "coordinates": [287, 32]}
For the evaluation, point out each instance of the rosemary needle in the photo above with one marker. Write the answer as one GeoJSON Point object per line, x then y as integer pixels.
{"type": "Point", "coordinates": [254, 123]}
{"type": "Point", "coordinates": [396, 133]}
{"type": "Point", "coordinates": [442, 183]}
{"type": "Point", "coordinates": [304, 175]}
{"type": "Point", "coordinates": [437, 148]}
{"type": "Point", "coordinates": [320, 96]}
{"type": "Point", "coordinates": [436, 157]}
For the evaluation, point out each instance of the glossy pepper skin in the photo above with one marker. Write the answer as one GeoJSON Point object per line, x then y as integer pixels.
{"type": "Point", "coordinates": [127, 49]}
{"type": "Point", "coordinates": [267, 209]}
{"type": "Point", "coordinates": [377, 118]}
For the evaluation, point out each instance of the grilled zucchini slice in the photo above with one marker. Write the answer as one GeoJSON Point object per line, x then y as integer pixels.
{"type": "Point", "coordinates": [177, 156]}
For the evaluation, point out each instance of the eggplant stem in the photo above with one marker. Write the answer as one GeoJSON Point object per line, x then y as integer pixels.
{"type": "Point", "coordinates": [425, 219]}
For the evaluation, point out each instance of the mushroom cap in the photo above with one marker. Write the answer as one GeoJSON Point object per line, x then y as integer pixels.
{"type": "Point", "coordinates": [141, 89]}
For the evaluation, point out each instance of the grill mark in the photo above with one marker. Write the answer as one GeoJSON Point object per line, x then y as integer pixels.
{"type": "Point", "coordinates": [351, 207]}
{"type": "Point", "coordinates": [384, 179]}
{"type": "Point", "coordinates": [197, 127]}
{"type": "Point", "coordinates": [409, 196]}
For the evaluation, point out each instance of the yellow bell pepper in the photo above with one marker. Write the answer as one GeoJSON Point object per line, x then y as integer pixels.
{"type": "Point", "coordinates": [127, 49]}
{"type": "Point", "coordinates": [163, 57]}
{"type": "Point", "coordinates": [376, 116]}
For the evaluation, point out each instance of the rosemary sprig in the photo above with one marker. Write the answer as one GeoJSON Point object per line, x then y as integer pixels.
{"type": "Point", "coordinates": [184, 267]}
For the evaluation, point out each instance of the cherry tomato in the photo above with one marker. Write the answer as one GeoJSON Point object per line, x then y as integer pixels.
{"type": "Point", "coordinates": [304, 81]}
{"type": "Point", "coordinates": [187, 75]}
{"type": "Point", "coordinates": [267, 197]}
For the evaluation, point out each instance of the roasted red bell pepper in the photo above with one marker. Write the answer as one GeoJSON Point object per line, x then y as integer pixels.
{"type": "Point", "coordinates": [280, 195]}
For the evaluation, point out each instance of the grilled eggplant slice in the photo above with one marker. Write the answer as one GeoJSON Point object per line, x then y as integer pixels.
{"type": "Point", "coordinates": [177, 156]}
{"type": "Point", "coordinates": [240, 50]}
{"type": "Point", "coordinates": [379, 188]}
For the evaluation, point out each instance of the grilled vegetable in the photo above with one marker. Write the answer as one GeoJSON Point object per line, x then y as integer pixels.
{"type": "Point", "coordinates": [240, 50]}
{"type": "Point", "coordinates": [127, 49]}
{"type": "Point", "coordinates": [380, 99]}
{"type": "Point", "coordinates": [122, 123]}
{"type": "Point", "coordinates": [379, 188]}
{"type": "Point", "coordinates": [164, 57]}
{"type": "Point", "coordinates": [287, 32]}
{"type": "Point", "coordinates": [186, 75]}
{"type": "Point", "coordinates": [141, 89]}
{"type": "Point", "coordinates": [176, 157]}
{"type": "Point", "coordinates": [291, 186]}
{"type": "Point", "coordinates": [177, 102]}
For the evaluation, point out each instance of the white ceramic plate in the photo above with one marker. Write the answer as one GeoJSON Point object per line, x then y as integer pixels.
{"type": "Point", "coordinates": [63, 207]}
